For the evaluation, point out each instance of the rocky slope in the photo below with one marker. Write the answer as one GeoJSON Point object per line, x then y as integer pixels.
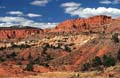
{"type": "Point", "coordinates": [81, 24]}
{"type": "Point", "coordinates": [92, 24]}
{"type": "Point", "coordinates": [16, 33]}
{"type": "Point", "coordinates": [58, 49]}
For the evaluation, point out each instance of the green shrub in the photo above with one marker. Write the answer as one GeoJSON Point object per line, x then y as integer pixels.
{"type": "Point", "coordinates": [23, 46]}
{"type": "Point", "coordinates": [96, 62]}
{"type": "Point", "coordinates": [45, 46]}
{"type": "Point", "coordinates": [13, 45]}
{"type": "Point", "coordinates": [118, 55]}
{"type": "Point", "coordinates": [13, 54]}
{"type": "Point", "coordinates": [85, 67]}
{"type": "Point", "coordinates": [67, 48]}
{"type": "Point", "coordinates": [37, 61]}
{"type": "Point", "coordinates": [46, 65]}
{"type": "Point", "coordinates": [115, 37]}
{"type": "Point", "coordinates": [29, 66]}
{"type": "Point", "coordinates": [49, 58]}
{"type": "Point", "coordinates": [2, 48]}
{"type": "Point", "coordinates": [20, 46]}
{"type": "Point", "coordinates": [108, 61]}
{"type": "Point", "coordinates": [1, 59]}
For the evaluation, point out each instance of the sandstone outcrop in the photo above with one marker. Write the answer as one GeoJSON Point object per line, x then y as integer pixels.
{"type": "Point", "coordinates": [10, 33]}
{"type": "Point", "coordinates": [81, 24]}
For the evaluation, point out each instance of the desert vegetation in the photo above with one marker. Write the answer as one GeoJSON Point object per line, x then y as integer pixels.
{"type": "Point", "coordinates": [74, 49]}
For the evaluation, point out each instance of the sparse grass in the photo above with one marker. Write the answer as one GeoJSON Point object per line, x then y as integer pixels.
{"type": "Point", "coordinates": [68, 75]}
{"type": "Point", "coordinates": [90, 74]}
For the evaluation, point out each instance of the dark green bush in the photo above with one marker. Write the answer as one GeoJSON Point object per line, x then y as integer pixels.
{"type": "Point", "coordinates": [45, 46]}
{"type": "Point", "coordinates": [13, 45]}
{"type": "Point", "coordinates": [85, 67]}
{"type": "Point", "coordinates": [23, 46]}
{"type": "Point", "coordinates": [20, 46]}
{"type": "Point", "coordinates": [118, 55]}
{"type": "Point", "coordinates": [29, 66]}
{"type": "Point", "coordinates": [67, 48]}
{"type": "Point", "coordinates": [2, 48]}
{"type": "Point", "coordinates": [1, 59]}
{"type": "Point", "coordinates": [13, 54]}
{"type": "Point", "coordinates": [115, 37]}
{"type": "Point", "coordinates": [96, 62]}
{"type": "Point", "coordinates": [108, 61]}
{"type": "Point", "coordinates": [37, 61]}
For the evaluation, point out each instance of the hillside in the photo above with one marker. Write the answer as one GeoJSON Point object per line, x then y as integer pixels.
{"type": "Point", "coordinates": [83, 25]}
{"type": "Point", "coordinates": [70, 47]}
{"type": "Point", "coordinates": [17, 32]}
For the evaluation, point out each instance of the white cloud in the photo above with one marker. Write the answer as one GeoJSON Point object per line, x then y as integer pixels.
{"type": "Point", "coordinates": [105, 2]}
{"type": "Point", "coordinates": [10, 21]}
{"type": "Point", "coordinates": [88, 12]}
{"type": "Point", "coordinates": [19, 13]}
{"type": "Point", "coordinates": [15, 13]}
{"type": "Point", "coordinates": [33, 15]}
{"type": "Point", "coordinates": [39, 2]}
{"type": "Point", "coordinates": [109, 2]}
{"type": "Point", "coordinates": [70, 4]}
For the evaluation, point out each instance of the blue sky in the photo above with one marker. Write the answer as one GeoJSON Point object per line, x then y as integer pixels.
{"type": "Point", "coordinates": [48, 13]}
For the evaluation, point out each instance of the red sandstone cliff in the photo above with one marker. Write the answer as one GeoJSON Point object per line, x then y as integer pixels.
{"type": "Point", "coordinates": [10, 33]}
{"type": "Point", "coordinates": [82, 24]}
{"type": "Point", "coordinates": [77, 25]}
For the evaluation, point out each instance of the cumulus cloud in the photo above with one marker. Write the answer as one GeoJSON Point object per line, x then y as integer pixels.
{"type": "Point", "coordinates": [15, 13]}
{"type": "Point", "coordinates": [10, 21]}
{"type": "Point", "coordinates": [88, 12]}
{"type": "Point", "coordinates": [33, 15]}
{"type": "Point", "coordinates": [39, 2]}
